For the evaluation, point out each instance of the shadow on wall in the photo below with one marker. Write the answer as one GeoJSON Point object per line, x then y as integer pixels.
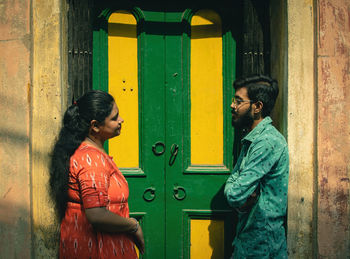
{"type": "Point", "coordinates": [19, 240]}
{"type": "Point", "coordinates": [15, 231]}
{"type": "Point", "coordinates": [19, 236]}
{"type": "Point", "coordinates": [16, 234]}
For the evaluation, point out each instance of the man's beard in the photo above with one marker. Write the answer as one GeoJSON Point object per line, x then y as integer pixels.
{"type": "Point", "coordinates": [244, 121]}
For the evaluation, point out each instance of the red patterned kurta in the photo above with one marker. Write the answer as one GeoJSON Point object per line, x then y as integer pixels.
{"type": "Point", "coordinates": [95, 181]}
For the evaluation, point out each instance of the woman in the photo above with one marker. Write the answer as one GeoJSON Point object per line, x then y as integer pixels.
{"type": "Point", "coordinates": [90, 193]}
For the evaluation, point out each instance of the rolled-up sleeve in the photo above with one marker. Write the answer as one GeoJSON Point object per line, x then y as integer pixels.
{"type": "Point", "coordinates": [244, 181]}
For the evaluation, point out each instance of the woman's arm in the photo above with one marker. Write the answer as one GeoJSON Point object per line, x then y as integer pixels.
{"type": "Point", "coordinates": [106, 221]}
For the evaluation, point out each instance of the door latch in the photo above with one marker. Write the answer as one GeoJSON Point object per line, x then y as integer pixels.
{"type": "Point", "coordinates": [173, 153]}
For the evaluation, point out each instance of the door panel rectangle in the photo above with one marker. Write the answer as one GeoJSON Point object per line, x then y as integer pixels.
{"type": "Point", "coordinates": [207, 238]}
{"type": "Point", "coordinates": [206, 86]}
{"type": "Point", "coordinates": [123, 86]}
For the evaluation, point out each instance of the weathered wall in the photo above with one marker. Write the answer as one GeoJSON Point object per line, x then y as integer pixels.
{"type": "Point", "coordinates": [301, 128]}
{"type": "Point", "coordinates": [333, 69]}
{"type": "Point", "coordinates": [31, 72]}
{"type": "Point", "coordinates": [15, 45]}
{"type": "Point", "coordinates": [47, 104]}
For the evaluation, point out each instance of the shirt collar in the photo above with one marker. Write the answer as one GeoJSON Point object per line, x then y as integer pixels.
{"type": "Point", "coordinates": [251, 136]}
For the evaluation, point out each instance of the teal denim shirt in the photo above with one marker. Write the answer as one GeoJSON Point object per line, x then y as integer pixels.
{"type": "Point", "coordinates": [263, 166]}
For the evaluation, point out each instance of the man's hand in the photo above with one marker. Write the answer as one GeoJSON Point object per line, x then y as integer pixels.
{"type": "Point", "coordinates": [249, 203]}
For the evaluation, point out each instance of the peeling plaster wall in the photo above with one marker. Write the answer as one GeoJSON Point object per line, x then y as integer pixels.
{"type": "Point", "coordinates": [15, 46]}
{"type": "Point", "coordinates": [333, 61]}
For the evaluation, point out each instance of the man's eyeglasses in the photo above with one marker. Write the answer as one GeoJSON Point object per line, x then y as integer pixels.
{"type": "Point", "coordinates": [238, 102]}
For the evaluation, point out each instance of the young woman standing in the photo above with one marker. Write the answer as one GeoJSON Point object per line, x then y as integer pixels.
{"type": "Point", "coordinates": [90, 193]}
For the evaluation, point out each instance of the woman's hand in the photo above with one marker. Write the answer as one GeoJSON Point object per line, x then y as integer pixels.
{"type": "Point", "coordinates": [139, 240]}
{"type": "Point", "coordinates": [105, 220]}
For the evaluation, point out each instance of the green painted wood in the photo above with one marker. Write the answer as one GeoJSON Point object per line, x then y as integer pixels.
{"type": "Point", "coordinates": [203, 184]}
{"type": "Point", "coordinates": [152, 120]}
{"type": "Point", "coordinates": [164, 67]}
{"type": "Point", "coordinates": [152, 114]}
{"type": "Point", "coordinates": [100, 55]}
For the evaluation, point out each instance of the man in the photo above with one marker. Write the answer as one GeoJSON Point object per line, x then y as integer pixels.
{"type": "Point", "coordinates": [258, 185]}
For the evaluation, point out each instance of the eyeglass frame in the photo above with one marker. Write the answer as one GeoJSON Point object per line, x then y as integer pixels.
{"type": "Point", "coordinates": [239, 102]}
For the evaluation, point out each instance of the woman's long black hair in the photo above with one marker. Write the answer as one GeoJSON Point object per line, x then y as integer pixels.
{"type": "Point", "coordinates": [94, 105]}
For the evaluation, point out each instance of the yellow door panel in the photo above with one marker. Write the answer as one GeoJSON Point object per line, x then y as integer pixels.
{"type": "Point", "coordinates": [123, 85]}
{"type": "Point", "coordinates": [207, 239]}
{"type": "Point", "coordinates": [206, 89]}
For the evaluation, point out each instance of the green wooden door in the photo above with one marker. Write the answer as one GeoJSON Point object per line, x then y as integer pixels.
{"type": "Point", "coordinates": [185, 68]}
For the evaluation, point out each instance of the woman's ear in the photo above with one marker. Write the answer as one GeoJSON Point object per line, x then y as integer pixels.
{"type": "Point", "coordinates": [94, 126]}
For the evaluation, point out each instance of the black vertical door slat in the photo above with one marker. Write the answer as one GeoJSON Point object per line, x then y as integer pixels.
{"type": "Point", "coordinates": [256, 38]}
{"type": "Point", "coordinates": [79, 48]}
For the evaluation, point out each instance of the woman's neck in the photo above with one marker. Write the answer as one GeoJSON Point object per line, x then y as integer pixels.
{"type": "Point", "coordinates": [95, 142]}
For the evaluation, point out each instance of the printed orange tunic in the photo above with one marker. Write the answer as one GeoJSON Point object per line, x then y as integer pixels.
{"type": "Point", "coordinates": [94, 181]}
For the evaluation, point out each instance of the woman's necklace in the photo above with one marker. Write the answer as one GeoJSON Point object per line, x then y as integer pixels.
{"type": "Point", "coordinates": [95, 144]}
{"type": "Point", "coordinates": [91, 140]}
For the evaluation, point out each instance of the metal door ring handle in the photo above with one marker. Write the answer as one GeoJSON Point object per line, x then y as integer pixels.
{"type": "Point", "coordinates": [154, 148]}
{"type": "Point", "coordinates": [149, 194]}
{"type": "Point", "coordinates": [179, 193]}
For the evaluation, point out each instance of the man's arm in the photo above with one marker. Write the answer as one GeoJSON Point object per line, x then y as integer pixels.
{"type": "Point", "coordinates": [242, 184]}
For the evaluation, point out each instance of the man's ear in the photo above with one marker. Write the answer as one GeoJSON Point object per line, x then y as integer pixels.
{"type": "Point", "coordinates": [258, 107]}
{"type": "Point", "coordinates": [94, 126]}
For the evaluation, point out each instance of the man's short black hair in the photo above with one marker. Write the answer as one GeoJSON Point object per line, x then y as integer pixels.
{"type": "Point", "coordinates": [260, 88]}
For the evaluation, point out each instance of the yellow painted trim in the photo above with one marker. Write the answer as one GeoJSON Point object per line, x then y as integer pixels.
{"type": "Point", "coordinates": [123, 85]}
{"type": "Point", "coordinates": [207, 239]}
{"type": "Point", "coordinates": [206, 89]}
